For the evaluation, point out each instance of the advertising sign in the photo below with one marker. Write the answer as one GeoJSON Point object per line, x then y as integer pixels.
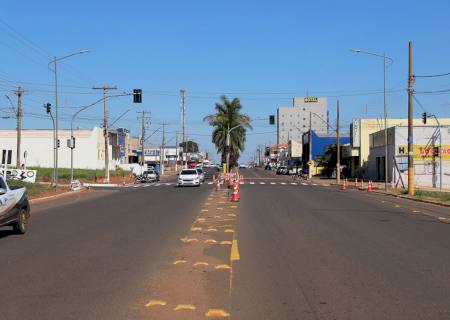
{"type": "Point", "coordinates": [18, 174]}
{"type": "Point", "coordinates": [423, 152]}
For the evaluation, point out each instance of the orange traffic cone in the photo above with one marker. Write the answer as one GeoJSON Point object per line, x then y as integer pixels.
{"type": "Point", "coordinates": [344, 184]}
{"type": "Point", "coordinates": [235, 197]}
{"type": "Point", "coordinates": [218, 185]}
{"type": "Point", "coordinates": [356, 183]}
{"type": "Point", "coordinates": [370, 186]}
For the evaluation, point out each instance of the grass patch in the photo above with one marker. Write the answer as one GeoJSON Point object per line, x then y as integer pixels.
{"type": "Point", "coordinates": [440, 196]}
{"type": "Point", "coordinates": [84, 174]}
{"type": "Point", "coordinates": [33, 189]}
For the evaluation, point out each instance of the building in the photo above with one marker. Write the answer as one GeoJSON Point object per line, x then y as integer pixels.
{"type": "Point", "coordinates": [89, 152]}
{"type": "Point", "coordinates": [293, 121]}
{"type": "Point", "coordinates": [427, 169]}
{"type": "Point", "coordinates": [320, 144]}
{"type": "Point", "coordinates": [357, 152]}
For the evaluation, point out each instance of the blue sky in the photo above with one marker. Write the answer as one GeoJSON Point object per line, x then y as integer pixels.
{"type": "Point", "coordinates": [264, 52]}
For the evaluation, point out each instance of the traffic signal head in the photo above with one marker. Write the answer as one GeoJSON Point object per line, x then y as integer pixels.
{"type": "Point", "coordinates": [271, 119]}
{"type": "Point", "coordinates": [137, 95]}
{"type": "Point", "coordinates": [48, 107]}
{"type": "Point", "coordinates": [424, 118]}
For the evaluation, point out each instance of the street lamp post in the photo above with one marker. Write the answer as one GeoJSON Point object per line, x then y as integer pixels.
{"type": "Point", "coordinates": [55, 71]}
{"type": "Point", "coordinates": [385, 58]}
{"type": "Point", "coordinates": [228, 144]}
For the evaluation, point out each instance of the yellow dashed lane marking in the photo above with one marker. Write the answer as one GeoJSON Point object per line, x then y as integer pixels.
{"type": "Point", "coordinates": [180, 261]}
{"type": "Point", "coordinates": [234, 207]}
{"type": "Point", "coordinates": [196, 229]}
{"type": "Point", "coordinates": [204, 210]}
{"type": "Point", "coordinates": [222, 266]}
{"type": "Point", "coordinates": [189, 240]}
{"type": "Point", "coordinates": [217, 313]}
{"type": "Point", "coordinates": [209, 241]}
{"type": "Point", "coordinates": [184, 307]}
{"type": "Point", "coordinates": [234, 251]}
{"type": "Point", "coordinates": [154, 303]}
{"type": "Point", "coordinates": [397, 206]}
{"type": "Point", "coordinates": [212, 230]}
{"type": "Point", "coordinates": [201, 263]}
{"type": "Point", "coordinates": [229, 230]}
{"type": "Point", "coordinates": [219, 208]}
{"type": "Point", "coordinates": [226, 242]}
{"type": "Point", "coordinates": [201, 220]}
{"type": "Point", "coordinates": [232, 215]}
{"type": "Point", "coordinates": [442, 218]}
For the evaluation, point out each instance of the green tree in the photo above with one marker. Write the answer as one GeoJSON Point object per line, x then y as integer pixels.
{"type": "Point", "coordinates": [329, 160]}
{"type": "Point", "coordinates": [189, 146]}
{"type": "Point", "coordinates": [228, 115]}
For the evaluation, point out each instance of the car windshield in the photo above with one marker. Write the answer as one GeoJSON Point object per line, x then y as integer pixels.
{"type": "Point", "coordinates": [184, 172]}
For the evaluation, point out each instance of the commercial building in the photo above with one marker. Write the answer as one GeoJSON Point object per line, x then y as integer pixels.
{"type": "Point", "coordinates": [357, 153]}
{"type": "Point", "coordinates": [320, 143]}
{"type": "Point", "coordinates": [293, 121]}
{"type": "Point", "coordinates": [89, 152]}
{"type": "Point", "coordinates": [427, 156]}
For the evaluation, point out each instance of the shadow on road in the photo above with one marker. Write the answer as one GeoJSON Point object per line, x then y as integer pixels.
{"type": "Point", "coordinates": [6, 232]}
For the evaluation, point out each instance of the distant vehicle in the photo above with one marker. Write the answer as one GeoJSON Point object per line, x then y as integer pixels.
{"type": "Point", "coordinates": [188, 177]}
{"type": "Point", "coordinates": [151, 175]}
{"type": "Point", "coordinates": [283, 170]}
{"type": "Point", "coordinates": [14, 207]}
{"type": "Point", "coordinates": [243, 166]}
{"type": "Point", "coordinates": [192, 164]}
{"type": "Point", "coordinates": [201, 175]}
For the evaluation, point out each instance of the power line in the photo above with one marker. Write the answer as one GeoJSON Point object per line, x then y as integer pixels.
{"type": "Point", "coordinates": [433, 75]}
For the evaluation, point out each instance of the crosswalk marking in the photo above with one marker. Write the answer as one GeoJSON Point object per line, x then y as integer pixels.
{"type": "Point", "coordinates": [252, 182]}
{"type": "Point", "coordinates": [146, 185]}
{"type": "Point", "coordinates": [283, 183]}
{"type": "Point", "coordinates": [262, 183]}
{"type": "Point", "coordinates": [210, 182]}
{"type": "Point", "coordinates": [304, 184]}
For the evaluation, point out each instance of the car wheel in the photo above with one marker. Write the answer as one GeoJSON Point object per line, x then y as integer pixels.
{"type": "Point", "coordinates": [21, 225]}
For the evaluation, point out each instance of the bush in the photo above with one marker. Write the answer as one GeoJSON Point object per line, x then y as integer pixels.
{"type": "Point", "coordinates": [83, 174]}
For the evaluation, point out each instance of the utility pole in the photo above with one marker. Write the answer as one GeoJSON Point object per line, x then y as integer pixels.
{"type": "Point", "coordinates": [105, 127]}
{"type": "Point", "coordinates": [310, 147]}
{"type": "Point", "coordinates": [176, 151]}
{"type": "Point", "coordinates": [142, 140]}
{"type": "Point", "coordinates": [163, 146]}
{"type": "Point", "coordinates": [19, 92]}
{"type": "Point", "coordinates": [338, 147]}
{"type": "Point", "coordinates": [410, 123]}
{"type": "Point", "coordinates": [182, 111]}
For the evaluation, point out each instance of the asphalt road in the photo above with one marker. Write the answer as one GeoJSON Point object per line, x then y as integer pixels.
{"type": "Point", "coordinates": [282, 252]}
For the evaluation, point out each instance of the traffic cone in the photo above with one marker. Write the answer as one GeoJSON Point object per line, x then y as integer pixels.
{"type": "Point", "coordinates": [218, 186]}
{"type": "Point", "coordinates": [356, 183]}
{"type": "Point", "coordinates": [344, 184]}
{"type": "Point", "coordinates": [370, 186]}
{"type": "Point", "coordinates": [235, 197]}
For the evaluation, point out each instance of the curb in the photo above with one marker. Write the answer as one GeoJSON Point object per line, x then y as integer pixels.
{"type": "Point", "coordinates": [53, 196]}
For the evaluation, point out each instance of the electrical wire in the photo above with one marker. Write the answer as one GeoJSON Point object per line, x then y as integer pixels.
{"type": "Point", "coordinates": [433, 75]}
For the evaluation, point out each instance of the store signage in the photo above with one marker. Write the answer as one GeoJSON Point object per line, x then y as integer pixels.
{"type": "Point", "coordinates": [311, 99]}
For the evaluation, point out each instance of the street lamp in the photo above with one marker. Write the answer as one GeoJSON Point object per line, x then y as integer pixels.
{"type": "Point", "coordinates": [55, 65]}
{"type": "Point", "coordinates": [385, 58]}
{"type": "Point", "coordinates": [228, 143]}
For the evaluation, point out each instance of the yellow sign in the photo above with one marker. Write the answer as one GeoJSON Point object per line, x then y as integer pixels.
{"type": "Point", "coordinates": [311, 99]}
{"type": "Point", "coordinates": [224, 168]}
{"type": "Point", "coordinates": [423, 152]}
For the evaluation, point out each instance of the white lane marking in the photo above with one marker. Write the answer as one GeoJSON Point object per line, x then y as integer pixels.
{"type": "Point", "coordinates": [241, 182]}
{"type": "Point", "coordinates": [146, 185]}
{"type": "Point", "coordinates": [283, 183]}
{"type": "Point", "coordinates": [304, 184]}
{"type": "Point", "coordinates": [168, 184]}
{"type": "Point", "coordinates": [252, 182]}
{"type": "Point", "coordinates": [136, 186]}
{"type": "Point", "coordinates": [272, 183]}
{"type": "Point", "coordinates": [262, 183]}
{"type": "Point", "coordinates": [315, 184]}
{"type": "Point", "coordinates": [210, 182]}
{"type": "Point", "coordinates": [157, 184]}
{"type": "Point", "coordinates": [294, 183]}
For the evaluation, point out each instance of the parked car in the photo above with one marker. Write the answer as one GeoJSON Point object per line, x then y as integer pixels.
{"type": "Point", "coordinates": [14, 207]}
{"type": "Point", "coordinates": [189, 177]}
{"type": "Point", "coordinates": [243, 166]}
{"type": "Point", "coordinates": [201, 174]}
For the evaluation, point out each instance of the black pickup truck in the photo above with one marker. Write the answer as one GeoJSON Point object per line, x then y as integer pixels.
{"type": "Point", "coordinates": [14, 207]}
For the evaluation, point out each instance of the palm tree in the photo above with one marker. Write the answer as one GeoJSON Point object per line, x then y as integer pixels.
{"type": "Point", "coordinates": [228, 115]}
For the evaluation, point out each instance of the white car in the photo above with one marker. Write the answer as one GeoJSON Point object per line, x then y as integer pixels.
{"type": "Point", "coordinates": [201, 175]}
{"type": "Point", "coordinates": [189, 177]}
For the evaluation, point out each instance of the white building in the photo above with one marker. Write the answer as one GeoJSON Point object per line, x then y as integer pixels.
{"type": "Point", "coordinates": [89, 152]}
{"type": "Point", "coordinates": [293, 121]}
{"type": "Point", "coordinates": [427, 169]}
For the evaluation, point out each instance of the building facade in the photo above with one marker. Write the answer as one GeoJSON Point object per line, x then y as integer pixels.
{"type": "Point", "coordinates": [320, 143]}
{"type": "Point", "coordinates": [89, 152]}
{"type": "Point", "coordinates": [427, 153]}
{"type": "Point", "coordinates": [293, 121]}
{"type": "Point", "coordinates": [360, 130]}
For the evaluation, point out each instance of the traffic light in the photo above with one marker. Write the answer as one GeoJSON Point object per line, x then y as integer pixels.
{"type": "Point", "coordinates": [424, 118]}
{"type": "Point", "coordinates": [58, 143]}
{"type": "Point", "coordinates": [271, 119]}
{"type": "Point", "coordinates": [137, 95]}
{"type": "Point", "coordinates": [48, 107]}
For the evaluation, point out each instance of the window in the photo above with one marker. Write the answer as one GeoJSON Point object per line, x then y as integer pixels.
{"type": "Point", "coordinates": [304, 109]}
{"type": "Point", "coordinates": [304, 126]}
{"type": "Point", "coordinates": [304, 119]}
{"type": "Point", "coordinates": [6, 156]}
